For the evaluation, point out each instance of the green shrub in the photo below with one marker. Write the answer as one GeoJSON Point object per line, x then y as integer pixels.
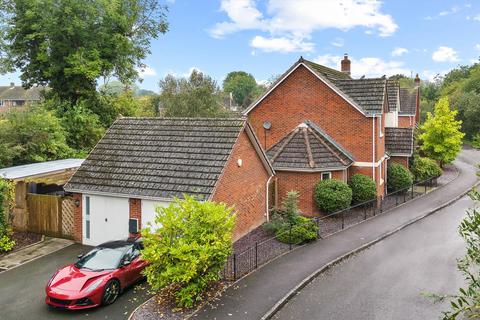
{"type": "Point", "coordinates": [6, 206]}
{"type": "Point", "coordinates": [398, 177]}
{"type": "Point", "coordinates": [6, 243]}
{"type": "Point", "coordinates": [304, 230]}
{"type": "Point", "coordinates": [190, 248]}
{"type": "Point", "coordinates": [476, 141]}
{"type": "Point", "coordinates": [363, 188]}
{"type": "Point", "coordinates": [332, 195]}
{"type": "Point", "coordinates": [425, 168]}
{"type": "Point", "coordinates": [288, 225]}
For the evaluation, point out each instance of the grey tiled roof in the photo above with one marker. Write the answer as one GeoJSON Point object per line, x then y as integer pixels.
{"type": "Point", "coordinates": [369, 94]}
{"type": "Point", "coordinates": [20, 93]}
{"type": "Point", "coordinates": [306, 148]}
{"type": "Point", "coordinates": [399, 141]}
{"type": "Point", "coordinates": [158, 157]}
{"type": "Point", "coordinates": [329, 73]}
{"type": "Point", "coordinates": [392, 92]}
{"type": "Point", "coordinates": [408, 101]}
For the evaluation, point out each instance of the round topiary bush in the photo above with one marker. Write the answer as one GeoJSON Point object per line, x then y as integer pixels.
{"type": "Point", "coordinates": [332, 195]}
{"type": "Point", "coordinates": [425, 168]}
{"type": "Point", "coordinates": [398, 177]}
{"type": "Point", "coordinates": [363, 188]}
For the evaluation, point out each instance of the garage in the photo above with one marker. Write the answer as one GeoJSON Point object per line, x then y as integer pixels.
{"type": "Point", "coordinates": [148, 211]}
{"type": "Point", "coordinates": [104, 219]}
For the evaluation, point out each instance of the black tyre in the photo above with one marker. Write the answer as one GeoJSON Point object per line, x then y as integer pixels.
{"type": "Point", "coordinates": [111, 292]}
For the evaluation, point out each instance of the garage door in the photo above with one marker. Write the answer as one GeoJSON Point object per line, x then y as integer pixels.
{"type": "Point", "coordinates": [148, 211]}
{"type": "Point", "coordinates": [104, 219]}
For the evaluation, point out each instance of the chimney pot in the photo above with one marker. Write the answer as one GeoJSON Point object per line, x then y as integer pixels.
{"type": "Point", "coordinates": [345, 64]}
{"type": "Point", "coordinates": [417, 81]}
{"type": "Point", "coordinates": [12, 84]}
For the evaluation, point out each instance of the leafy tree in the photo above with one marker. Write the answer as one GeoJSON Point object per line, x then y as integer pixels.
{"type": "Point", "coordinates": [468, 106]}
{"type": "Point", "coordinates": [83, 128]}
{"type": "Point", "coordinates": [69, 44]}
{"type": "Point", "coordinates": [243, 87]}
{"type": "Point", "coordinates": [441, 136]}
{"type": "Point", "coordinates": [190, 247]}
{"type": "Point", "coordinates": [332, 195]}
{"type": "Point", "coordinates": [197, 96]}
{"type": "Point", "coordinates": [32, 136]}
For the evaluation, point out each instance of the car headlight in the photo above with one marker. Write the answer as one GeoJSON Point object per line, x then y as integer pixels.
{"type": "Point", "coordinates": [94, 285]}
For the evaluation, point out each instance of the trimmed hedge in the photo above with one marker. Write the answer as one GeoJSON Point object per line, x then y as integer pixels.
{"type": "Point", "coordinates": [363, 188]}
{"type": "Point", "coordinates": [398, 177]}
{"type": "Point", "coordinates": [332, 195]}
{"type": "Point", "coordinates": [425, 168]}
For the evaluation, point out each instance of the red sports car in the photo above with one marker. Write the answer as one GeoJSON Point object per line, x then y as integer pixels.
{"type": "Point", "coordinates": [98, 277]}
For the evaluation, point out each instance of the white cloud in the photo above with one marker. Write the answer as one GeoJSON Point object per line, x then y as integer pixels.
{"type": "Point", "coordinates": [445, 54]}
{"type": "Point", "coordinates": [338, 42]}
{"type": "Point", "coordinates": [146, 71]}
{"type": "Point", "coordinates": [297, 20]}
{"type": "Point", "coordinates": [367, 66]}
{"type": "Point", "coordinates": [452, 10]}
{"type": "Point", "coordinates": [397, 52]}
{"type": "Point", "coordinates": [477, 47]}
{"type": "Point", "coordinates": [281, 44]}
{"type": "Point", "coordinates": [477, 17]}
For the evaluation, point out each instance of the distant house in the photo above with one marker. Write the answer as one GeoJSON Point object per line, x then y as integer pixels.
{"type": "Point", "coordinates": [13, 96]}
{"type": "Point", "coordinates": [318, 123]}
{"type": "Point", "coordinates": [142, 163]}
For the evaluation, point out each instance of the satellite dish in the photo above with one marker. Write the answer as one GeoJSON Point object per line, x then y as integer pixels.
{"type": "Point", "coordinates": [267, 125]}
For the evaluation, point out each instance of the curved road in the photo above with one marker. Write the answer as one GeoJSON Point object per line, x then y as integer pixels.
{"type": "Point", "coordinates": [390, 279]}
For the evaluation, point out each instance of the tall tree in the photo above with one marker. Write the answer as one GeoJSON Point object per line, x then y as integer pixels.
{"type": "Point", "coordinates": [195, 96]}
{"type": "Point", "coordinates": [441, 136]}
{"type": "Point", "coordinates": [243, 87]}
{"type": "Point", "coordinates": [69, 44]}
{"type": "Point", "coordinates": [32, 136]}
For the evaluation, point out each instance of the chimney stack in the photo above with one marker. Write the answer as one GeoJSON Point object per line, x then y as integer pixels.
{"type": "Point", "coordinates": [345, 63]}
{"type": "Point", "coordinates": [417, 81]}
{"type": "Point", "coordinates": [12, 84]}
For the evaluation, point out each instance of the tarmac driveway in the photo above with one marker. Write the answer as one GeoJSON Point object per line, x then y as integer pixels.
{"type": "Point", "coordinates": [22, 291]}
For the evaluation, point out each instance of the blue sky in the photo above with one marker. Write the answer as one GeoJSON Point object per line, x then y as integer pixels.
{"type": "Point", "coordinates": [265, 37]}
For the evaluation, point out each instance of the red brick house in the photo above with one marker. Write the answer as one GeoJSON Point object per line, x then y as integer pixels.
{"type": "Point", "coordinates": [319, 123]}
{"type": "Point", "coordinates": [142, 163]}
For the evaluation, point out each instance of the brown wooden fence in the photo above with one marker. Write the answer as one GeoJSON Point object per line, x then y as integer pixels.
{"type": "Point", "coordinates": [50, 215]}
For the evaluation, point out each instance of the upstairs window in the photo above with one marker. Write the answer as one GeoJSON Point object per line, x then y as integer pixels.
{"type": "Point", "coordinates": [326, 175]}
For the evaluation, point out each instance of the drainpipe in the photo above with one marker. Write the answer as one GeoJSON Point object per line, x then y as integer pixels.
{"type": "Point", "coordinates": [373, 146]}
{"type": "Point", "coordinates": [267, 213]}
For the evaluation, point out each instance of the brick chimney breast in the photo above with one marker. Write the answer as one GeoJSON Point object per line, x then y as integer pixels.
{"type": "Point", "coordinates": [345, 64]}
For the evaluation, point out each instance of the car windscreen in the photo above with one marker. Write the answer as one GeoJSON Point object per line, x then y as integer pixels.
{"type": "Point", "coordinates": [101, 259]}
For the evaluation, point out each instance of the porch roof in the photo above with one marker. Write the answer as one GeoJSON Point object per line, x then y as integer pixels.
{"type": "Point", "coordinates": [39, 169]}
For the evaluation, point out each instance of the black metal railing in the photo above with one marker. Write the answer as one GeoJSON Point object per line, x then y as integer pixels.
{"type": "Point", "coordinates": [244, 262]}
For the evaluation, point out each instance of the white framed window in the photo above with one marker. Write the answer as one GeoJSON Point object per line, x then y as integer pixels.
{"type": "Point", "coordinates": [380, 128]}
{"type": "Point", "coordinates": [326, 175]}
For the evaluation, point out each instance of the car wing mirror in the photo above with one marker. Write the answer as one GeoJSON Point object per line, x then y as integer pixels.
{"type": "Point", "coordinates": [80, 256]}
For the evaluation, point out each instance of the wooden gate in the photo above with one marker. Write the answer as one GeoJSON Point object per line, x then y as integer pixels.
{"type": "Point", "coordinates": [50, 215]}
